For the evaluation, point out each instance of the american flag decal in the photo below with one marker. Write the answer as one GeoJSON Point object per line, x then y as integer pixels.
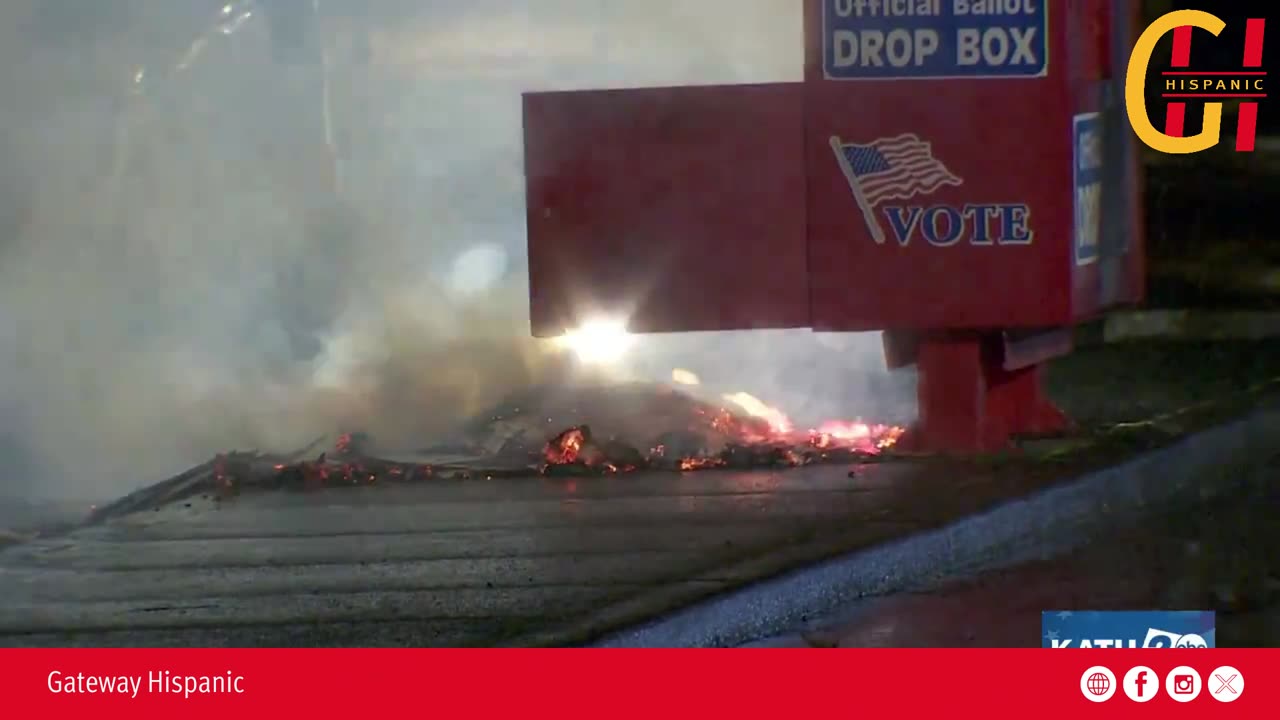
{"type": "Point", "coordinates": [896, 168]}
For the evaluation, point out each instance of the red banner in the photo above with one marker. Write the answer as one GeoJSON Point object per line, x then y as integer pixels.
{"type": "Point", "coordinates": [628, 683]}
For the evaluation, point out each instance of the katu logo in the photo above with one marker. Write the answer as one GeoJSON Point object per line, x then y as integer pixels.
{"type": "Point", "coordinates": [887, 173]}
{"type": "Point", "coordinates": [1163, 638]}
{"type": "Point", "coordinates": [1154, 639]}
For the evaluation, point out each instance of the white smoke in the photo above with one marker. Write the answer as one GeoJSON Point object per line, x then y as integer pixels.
{"type": "Point", "coordinates": [174, 280]}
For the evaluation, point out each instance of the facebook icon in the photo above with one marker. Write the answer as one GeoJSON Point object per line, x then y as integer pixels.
{"type": "Point", "coordinates": [1141, 684]}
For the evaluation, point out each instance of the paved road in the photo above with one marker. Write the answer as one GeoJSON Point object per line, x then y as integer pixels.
{"type": "Point", "coordinates": [448, 563]}
{"type": "Point", "coordinates": [461, 563]}
{"type": "Point", "coordinates": [1223, 557]}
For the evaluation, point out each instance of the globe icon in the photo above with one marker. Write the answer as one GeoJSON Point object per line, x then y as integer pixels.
{"type": "Point", "coordinates": [1098, 684]}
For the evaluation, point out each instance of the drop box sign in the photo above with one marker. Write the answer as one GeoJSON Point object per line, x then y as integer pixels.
{"type": "Point", "coordinates": [935, 39]}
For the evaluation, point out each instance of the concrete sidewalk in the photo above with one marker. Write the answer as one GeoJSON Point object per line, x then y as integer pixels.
{"type": "Point", "coordinates": [1222, 556]}
{"type": "Point", "coordinates": [1190, 325]}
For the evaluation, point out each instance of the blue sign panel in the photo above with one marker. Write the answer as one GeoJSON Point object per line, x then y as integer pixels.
{"type": "Point", "coordinates": [1144, 629]}
{"type": "Point", "coordinates": [1087, 170]}
{"type": "Point", "coordinates": [929, 39]}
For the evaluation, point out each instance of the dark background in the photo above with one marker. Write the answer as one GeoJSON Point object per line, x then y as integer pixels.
{"type": "Point", "coordinates": [1210, 236]}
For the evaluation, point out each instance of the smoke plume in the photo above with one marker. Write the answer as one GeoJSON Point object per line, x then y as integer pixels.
{"type": "Point", "coordinates": [209, 243]}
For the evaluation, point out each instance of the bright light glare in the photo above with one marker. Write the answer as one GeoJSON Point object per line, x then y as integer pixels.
{"type": "Point", "coordinates": [685, 377]}
{"type": "Point", "coordinates": [598, 342]}
{"type": "Point", "coordinates": [754, 407]}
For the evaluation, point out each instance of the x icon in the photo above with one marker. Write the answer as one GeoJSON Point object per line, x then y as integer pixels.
{"type": "Point", "coordinates": [1226, 684]}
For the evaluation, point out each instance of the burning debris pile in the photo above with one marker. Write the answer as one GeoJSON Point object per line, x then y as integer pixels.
{"type": "Point", "coordinates": [548, 431]}
{"type": "Point", "coordinates": [619, 429]}
{"type": "Point", "coordinates": [577, 450]}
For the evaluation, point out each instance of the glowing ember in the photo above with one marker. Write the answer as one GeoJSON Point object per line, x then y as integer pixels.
{"type": "Point", "coordinates": [753, 435]}
{"type": "Point", "coordinates": [697, 436]}
{"type": "Point", "coordinates": [764, 437]}
{"type": "Point", "coordinates": [844, 430]}
{"type": "Point", "coordinates": [836, 434]}
{"type": "Point", "coordinates": [691, 464]}
{"type": "Point", "coordinates": [343, 446]}
{"type": "Point", "coordinates": [566, 448]}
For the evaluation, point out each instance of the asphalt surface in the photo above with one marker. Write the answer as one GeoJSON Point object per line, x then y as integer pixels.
{"type": "Point", "coordinates": [458, 563]}
{"type": "Point", "coordinates": [504, 561]}
{"type": "Point", "coordinates": [1222, 556]}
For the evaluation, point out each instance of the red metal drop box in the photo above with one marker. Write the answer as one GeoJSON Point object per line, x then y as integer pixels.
{"type": "Point", "coordinates": [959, 175]}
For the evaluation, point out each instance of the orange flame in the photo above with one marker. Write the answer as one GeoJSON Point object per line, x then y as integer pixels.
{"type": "Point", "coordinates": [566, 449]}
